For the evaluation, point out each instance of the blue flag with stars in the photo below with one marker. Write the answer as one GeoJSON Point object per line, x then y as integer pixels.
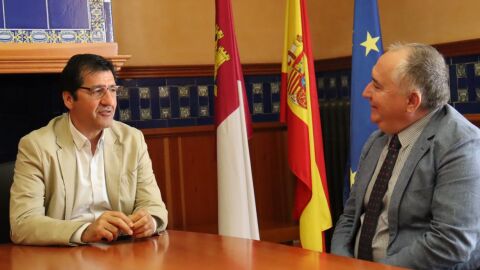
{"type": "Point", "coordinates": [366, 49]}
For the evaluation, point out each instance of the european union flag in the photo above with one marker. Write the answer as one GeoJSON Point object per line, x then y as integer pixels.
{"type": "Point", "coordinates": [366, 49]}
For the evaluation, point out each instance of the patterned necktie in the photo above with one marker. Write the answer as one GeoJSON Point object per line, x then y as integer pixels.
{"type": "Point", "coordinates": [375, 204]}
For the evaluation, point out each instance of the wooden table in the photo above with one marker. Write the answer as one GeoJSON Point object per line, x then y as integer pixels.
{"type": "Point", "coordinates": [176, 250]}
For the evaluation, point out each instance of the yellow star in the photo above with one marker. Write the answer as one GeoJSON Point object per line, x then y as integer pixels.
{"type": "Point", "coordinates": [370, 44]}
{"type": "Point", "coordinates": [352, 177]}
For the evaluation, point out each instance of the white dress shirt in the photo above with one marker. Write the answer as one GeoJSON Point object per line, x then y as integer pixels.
{"type": "Point", "coordinates": [90, 198]}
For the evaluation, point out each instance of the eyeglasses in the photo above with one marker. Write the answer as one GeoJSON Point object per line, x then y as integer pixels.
{"type": "Point", "coordinates": [99, 91]}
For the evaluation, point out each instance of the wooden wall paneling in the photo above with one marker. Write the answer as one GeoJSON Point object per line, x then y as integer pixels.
{"type": "Point", "coordinates": [184, 161]}
{"type": "Point", "coordinates": [474, 118]}
{"type": "Point", "coordinates": [198, 179]}
{"type": "Point", "coordinates": [166, 172]}
{"type": "Point", "coordinates": [274, 183]}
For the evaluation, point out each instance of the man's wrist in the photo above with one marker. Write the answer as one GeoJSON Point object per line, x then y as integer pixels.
{"type": "Point", "coordinates": [78, 234]}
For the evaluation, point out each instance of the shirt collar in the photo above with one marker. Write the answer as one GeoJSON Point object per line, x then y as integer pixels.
{"type": "Point", "coordinates": [79, 139]}
{"type": "Point", "coordinates": [411, 134]}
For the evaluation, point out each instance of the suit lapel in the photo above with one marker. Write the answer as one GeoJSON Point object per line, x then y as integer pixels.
{"type": "Point", "coordinates": [421, 146]}
{"type": "Point", "coordinates": [112, 154]}
{"type": "Point", "coordinates": [67, 162]}
{"type": "Point", "coordinates": [370, 162]}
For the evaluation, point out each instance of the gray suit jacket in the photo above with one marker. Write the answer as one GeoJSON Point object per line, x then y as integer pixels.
{"type": "Point", "coordinates": [434, 216]}
{"type": "Point", "coordinates": [42, 192]}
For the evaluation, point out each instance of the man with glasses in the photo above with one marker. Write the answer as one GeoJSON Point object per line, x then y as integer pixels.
{"type": "Point", "coordinates": [85, 177]}
{"type": "Point", "coordinates": [417, 190]}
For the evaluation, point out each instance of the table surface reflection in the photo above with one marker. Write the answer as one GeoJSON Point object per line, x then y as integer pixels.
{"type": "Point", "coordinates": [176, 250]}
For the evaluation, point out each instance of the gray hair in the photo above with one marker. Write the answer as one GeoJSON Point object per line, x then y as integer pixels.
{"type": "Point", "coordinates": [424, 69]}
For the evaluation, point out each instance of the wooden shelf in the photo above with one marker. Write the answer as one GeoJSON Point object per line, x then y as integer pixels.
{"type": "Point", "coordinates": [51, 57]}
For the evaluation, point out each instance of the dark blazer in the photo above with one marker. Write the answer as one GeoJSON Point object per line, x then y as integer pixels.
{"type": "Point", "coordinates": [434, 216]}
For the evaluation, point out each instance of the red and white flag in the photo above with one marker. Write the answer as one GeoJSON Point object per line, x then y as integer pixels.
{"type": "Point", "coordinates": [237, 215]}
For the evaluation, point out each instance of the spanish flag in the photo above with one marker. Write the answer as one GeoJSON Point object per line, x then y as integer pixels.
{"type": "Point", "coordinates": [300, 110]}
{"type": "Point", "coordinates": [237, 214]}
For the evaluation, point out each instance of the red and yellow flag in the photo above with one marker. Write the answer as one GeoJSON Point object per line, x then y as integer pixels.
{"type": "Point", "coordinates": [300, 110]}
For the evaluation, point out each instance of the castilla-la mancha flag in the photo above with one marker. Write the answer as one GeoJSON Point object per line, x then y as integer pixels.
{"type": "Point", "coordinates": [237, 215]}
{"type": "Point", "coordinates": [300, 110]}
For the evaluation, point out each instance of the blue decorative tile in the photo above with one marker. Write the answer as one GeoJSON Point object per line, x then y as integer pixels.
{"type": "Point", "coordinates": [211, 100]}
{"type": "Point", "coordinates": [202, 90]}
{"type": "Point", "coordinates": [332, 82]}
{"type": "Point", "coordinates": [203, 111]}
{"type": "Point", "coordinates": [184, 101]}
{"type": "Point", "coordinates": [55, 21]}
{"type": "Point", "coordinates": [134, 104]}
{"type": "Point", "coordinates": [275, 87]}
{"type": "Point", "coordinates": [469, 107]}
{"type": "Point", "coordinates": [163, 91]}
{"type": "Point", "coordinates": [65, 14]}
{"type": "Point", "coordinates": [151, 82]}
{"type": "Point", "coordinates": [257, 98]}
{"type": "Point", "coordinates": [125, 115]}
{"type": "Point", "coordinates": [477, 69]}
{"type": "Point", "coordinates": [17, 14]}
{"type": "Point", "coordinates": [275, 107]}
{"type": "Point", "coordinates": [257, 88]}
{"type": "Point", "coordinates": [321, 87]}
{"type": "Point", "coordinates": [107, 10]}
{"type": "Point", "coordinates": [257, 108]}
{"type": "Point", "coordinates": [204, 81]}
{"type": "Point", "coordinates": [180, 81]}
{"type": "Point", "coordinates": [203, 100]}
{"type": "Point", "coordinates": [183, 91]}
{"type": "Point", "coordinates": [165, 113]}
{"type": "Point", "coordinates": [461, 70]}
{"type": "Point", "coordinates": [193, 102]}
{"type": "Point", "coordinates": [265, 117]}
{"type": "Point", "coordinates": [205, 121]}
{"type": "Point", "coordinates": [2, 24]}
{"type": "Point", "coordinates": [165, 102]}
{"type": "Point", "coordinates": [145, 114]}
{"type": "Point", "coordinates": [184, 112]}
{"type": "Point", "coordinates": [155, 103]}
{"type": "Point", "coordinates": [453, 83]}
{"type": "Point", "coordinates": [345, 89]}
{"type": "Point", "coordinates": [267, 98]}
{"type": "Point", "coordinates": [462, 83]}
{"type": "Point", "coordinates": [144, 92]}
{"type": "Point", "coordinates": [464, 59]}
{"type": "Point", "coordinates": [175, 102]}
{"type": "Point", "coordinates": [462, 95]}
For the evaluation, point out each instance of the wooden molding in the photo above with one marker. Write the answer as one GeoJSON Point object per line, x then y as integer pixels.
{"type": "Point", "coordinates": [192, 71]}
{"type": "Point", "coordinates": [196, 130]}
{"type": "Point", "coordinates": [474, 118]}
{"type": "Point", "coordinates": [52, 57]}
{"type": "Point", "coordinates": [451, 49]}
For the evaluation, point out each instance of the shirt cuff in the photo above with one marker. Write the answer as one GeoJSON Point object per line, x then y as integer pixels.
{"type": "Point", "coordinates": [155, 224]}
{"type": "Point", "coordinates": [77, 236]}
